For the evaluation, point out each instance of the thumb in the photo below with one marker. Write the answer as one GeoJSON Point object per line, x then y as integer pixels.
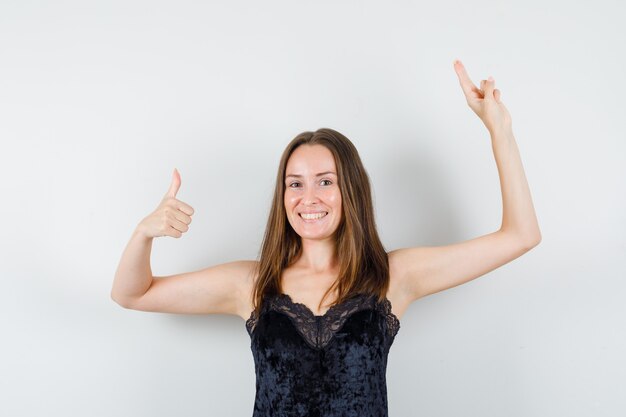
{"type": "Point", "coordinates": [175, 184]}
{"type": "Point", "coordinates": [496, 94]}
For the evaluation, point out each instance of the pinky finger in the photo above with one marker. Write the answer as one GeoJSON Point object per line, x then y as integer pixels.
{"type": "Point", "coordinates": [174, 232]}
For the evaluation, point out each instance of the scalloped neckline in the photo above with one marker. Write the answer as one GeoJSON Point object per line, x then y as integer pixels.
{"type": "Point", "coordinates": [310, 312]}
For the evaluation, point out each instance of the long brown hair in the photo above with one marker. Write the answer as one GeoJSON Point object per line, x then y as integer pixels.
{"type": "Point", "coordinates": [363, 263]}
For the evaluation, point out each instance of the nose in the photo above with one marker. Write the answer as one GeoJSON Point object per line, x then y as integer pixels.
{"type": "Point", "coordinates": [310, 196]}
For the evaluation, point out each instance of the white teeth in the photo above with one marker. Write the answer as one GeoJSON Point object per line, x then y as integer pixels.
{"type": "Point", "coordinates": [313, 216]}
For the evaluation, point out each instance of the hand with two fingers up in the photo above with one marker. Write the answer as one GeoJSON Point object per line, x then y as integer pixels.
{"type": "Point", "coordinates": [171, 218]}
{"type": "Point", "coordinates": [485, 101]}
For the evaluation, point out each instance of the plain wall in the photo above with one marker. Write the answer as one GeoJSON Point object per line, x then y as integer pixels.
{"type": "Point", "coordinates": [99, 101]}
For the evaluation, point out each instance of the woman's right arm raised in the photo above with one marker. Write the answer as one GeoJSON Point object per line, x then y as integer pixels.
{"type": "Point", "coordinates": [221, 288]}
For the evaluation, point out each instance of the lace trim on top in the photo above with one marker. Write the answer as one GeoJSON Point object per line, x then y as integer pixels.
{"type": "Point", "coordinates": [316, 330]}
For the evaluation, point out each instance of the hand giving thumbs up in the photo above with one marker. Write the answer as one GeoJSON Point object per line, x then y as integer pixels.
{"type": "Point", "coordinates": [171, 218]}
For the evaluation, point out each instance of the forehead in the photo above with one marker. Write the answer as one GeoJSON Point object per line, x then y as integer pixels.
{"type": "Point", "coordinates": [310, 159]}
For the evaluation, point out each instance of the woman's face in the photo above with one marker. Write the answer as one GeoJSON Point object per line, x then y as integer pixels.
{"type": "Point", "coordinates": [311, 186]}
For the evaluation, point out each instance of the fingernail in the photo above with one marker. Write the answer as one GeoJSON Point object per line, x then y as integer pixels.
{"type": "Point", "coordinates": [490, 78]}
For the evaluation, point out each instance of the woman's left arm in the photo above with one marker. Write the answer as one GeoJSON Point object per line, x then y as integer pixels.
{"type": "Point", "coordinates": [518, 213]}
{"type": "Point", "coordinates": [425, 270]}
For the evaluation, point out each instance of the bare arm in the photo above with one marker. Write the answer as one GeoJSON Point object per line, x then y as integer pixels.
{"type": "Point", "coordinates": [133, 276]}
{"type": "Point", "coordinates": [426, 270]}
{"type": "Point", "coordinates": [224, 288]}
{"type": "Point", "coordinates": [219, 289]}
{"type": "Point", "coordinates": [518, 213]}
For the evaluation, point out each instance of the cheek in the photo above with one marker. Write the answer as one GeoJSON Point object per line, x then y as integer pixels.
{"type": "Point", "coordinates": [334, 198]}
{"type": "Point", "coordinates": [289, 200]}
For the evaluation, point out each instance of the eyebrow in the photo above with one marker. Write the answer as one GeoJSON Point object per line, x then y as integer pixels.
{"type": "Point", "coordinates": [318, 175]}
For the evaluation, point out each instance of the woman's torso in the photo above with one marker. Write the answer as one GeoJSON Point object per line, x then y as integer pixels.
{"type": "Point", "coordinates": [312, 362]}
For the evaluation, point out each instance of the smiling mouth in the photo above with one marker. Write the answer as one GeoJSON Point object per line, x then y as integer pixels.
{"type": "Point", "coordinates": [313, 217]}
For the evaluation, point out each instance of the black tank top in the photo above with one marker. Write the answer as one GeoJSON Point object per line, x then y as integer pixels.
{"type": "Point", "coordinates": [330, 365]}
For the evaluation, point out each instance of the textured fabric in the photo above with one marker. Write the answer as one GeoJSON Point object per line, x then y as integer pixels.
{"type": "Point", "coordinates": [331, 365]}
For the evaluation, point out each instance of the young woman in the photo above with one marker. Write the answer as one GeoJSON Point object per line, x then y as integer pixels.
{"type": "Point", "coordinates": [323, 303]}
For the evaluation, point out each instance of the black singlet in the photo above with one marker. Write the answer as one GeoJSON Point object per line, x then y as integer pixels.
{"type": "Point", "coordinates": [331, 365]}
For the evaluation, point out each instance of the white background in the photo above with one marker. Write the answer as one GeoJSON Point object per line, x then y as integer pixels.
{"type": "Point", "coordinates": [99, 101]}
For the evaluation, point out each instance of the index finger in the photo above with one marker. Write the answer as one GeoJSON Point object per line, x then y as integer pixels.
{"type": "Point", "coordinates": [185, 208]}
{"type": "Point", "coordinates": [466, 84]}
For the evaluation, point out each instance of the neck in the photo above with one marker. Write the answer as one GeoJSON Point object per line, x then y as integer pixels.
{"type": "Point", "coordinates": [318, 255]}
